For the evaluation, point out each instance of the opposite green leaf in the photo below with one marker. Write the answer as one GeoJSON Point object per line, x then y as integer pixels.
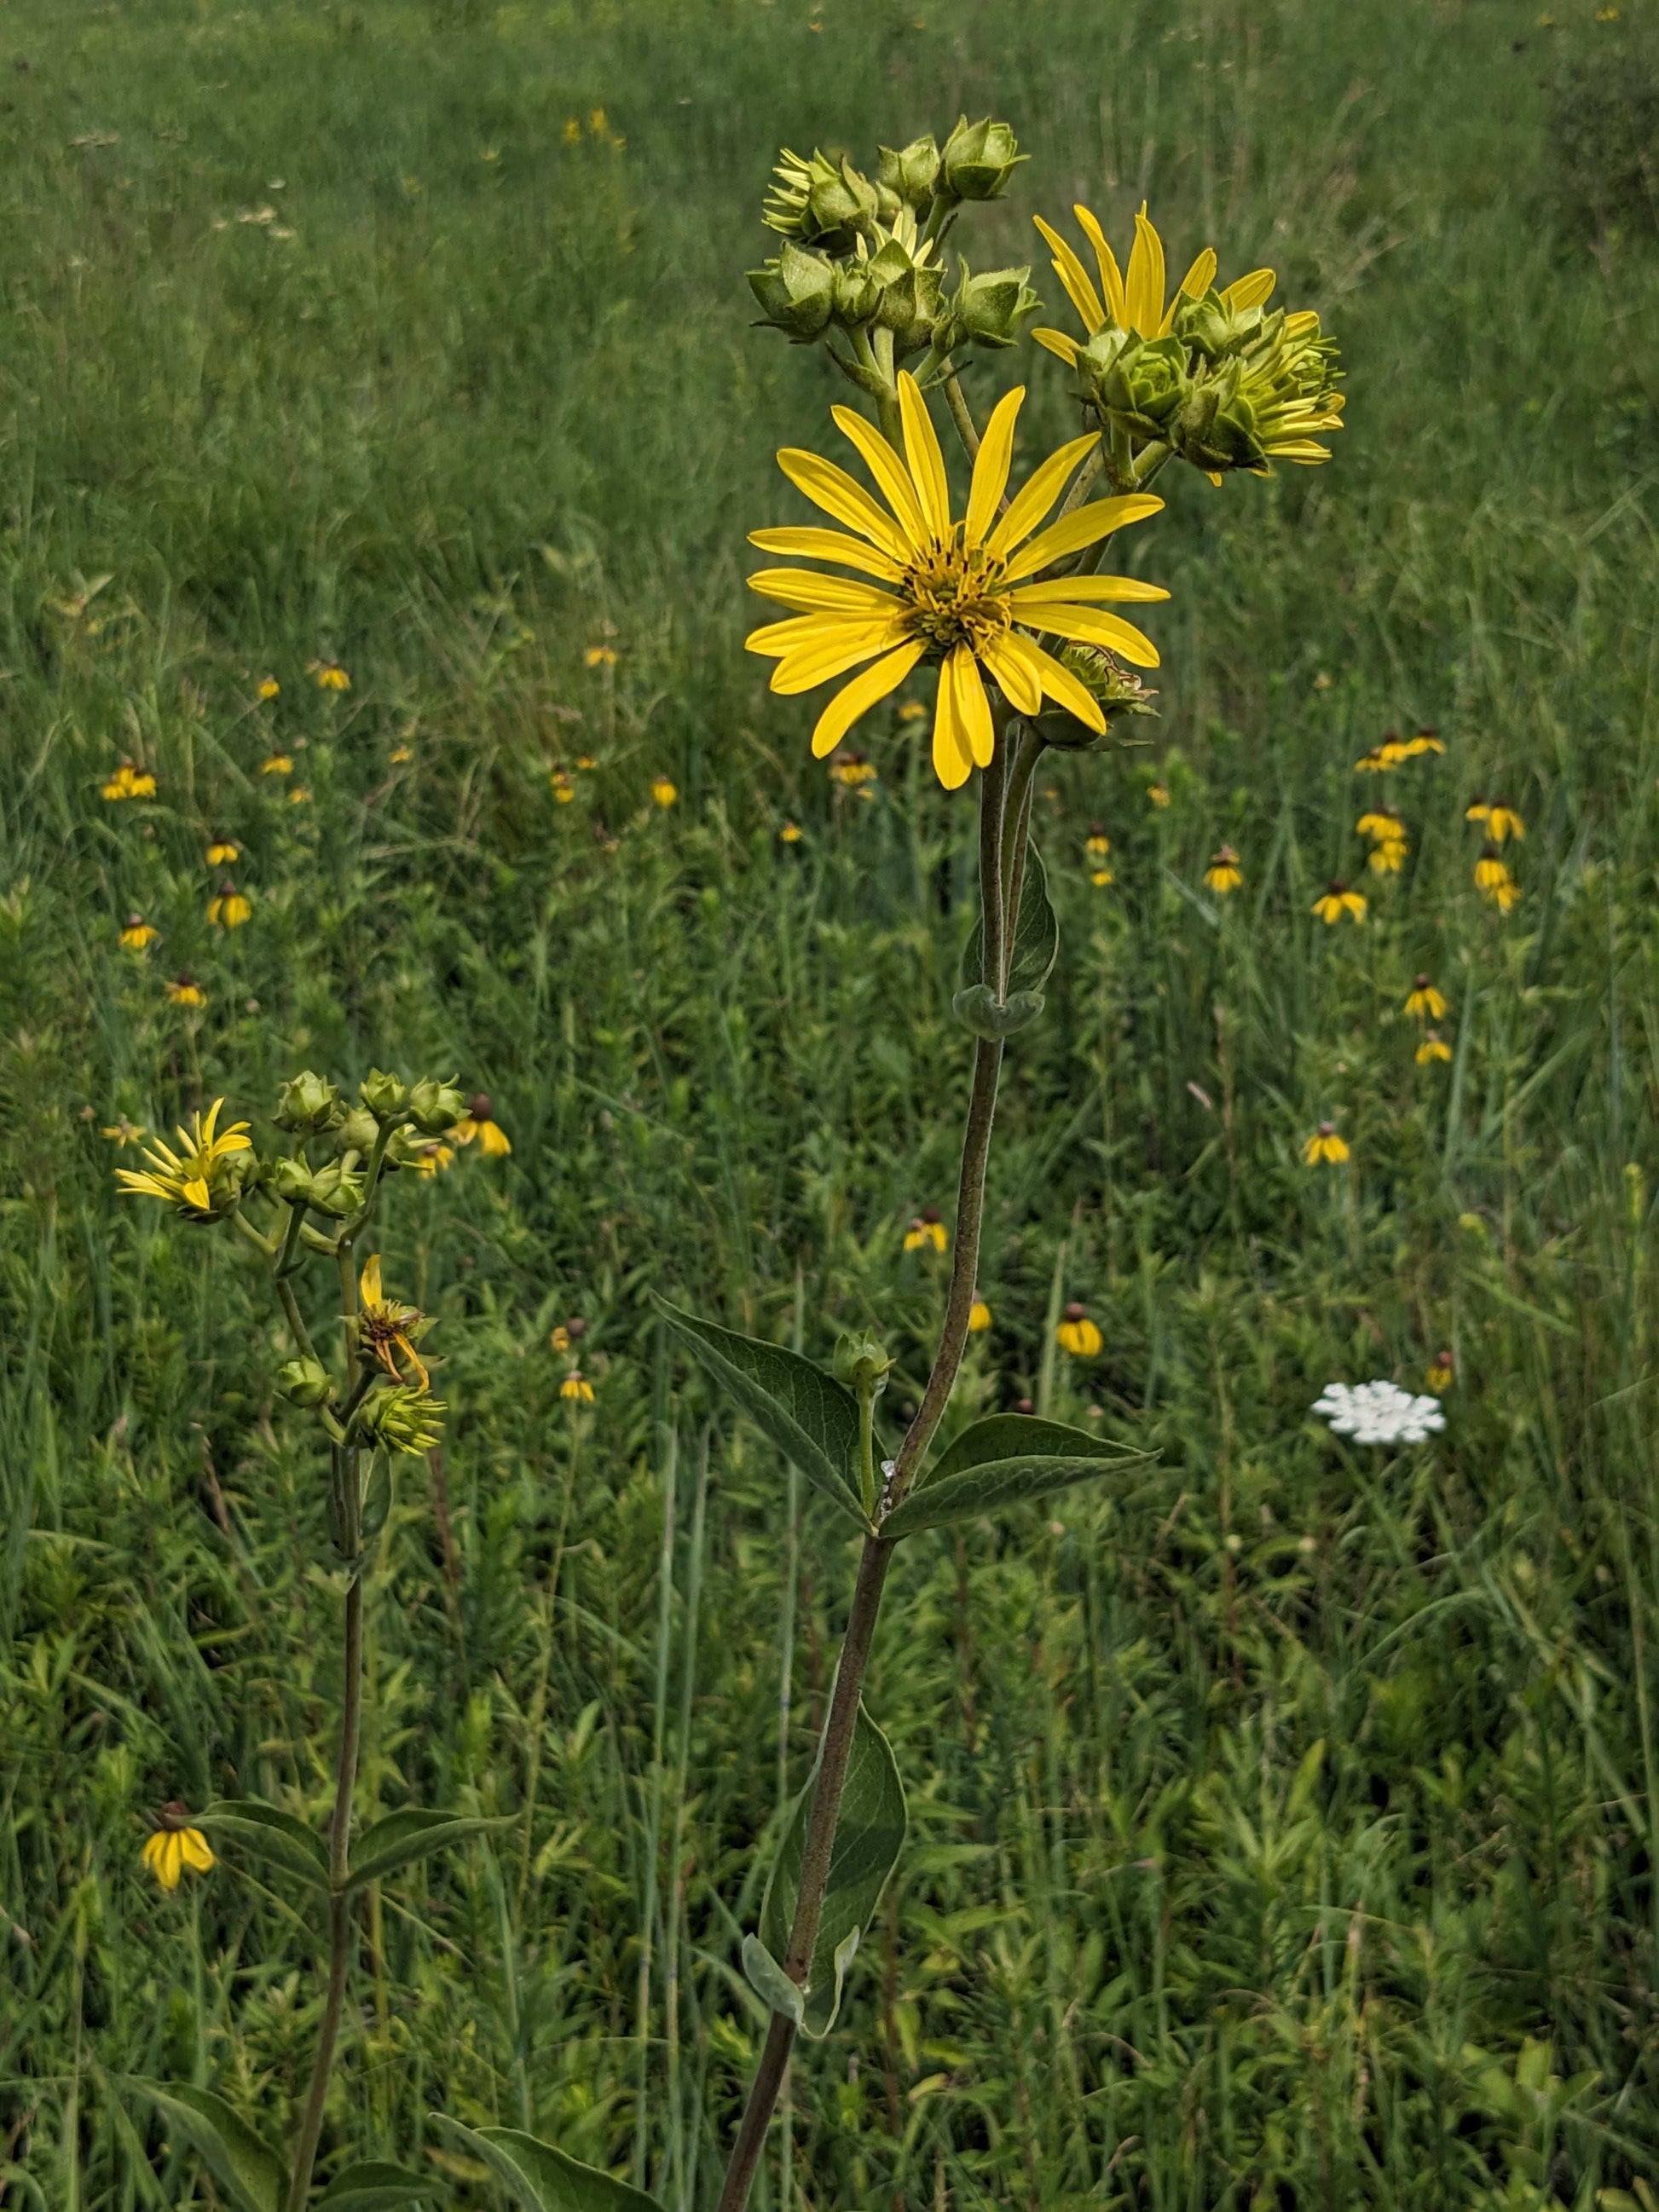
{"type": "Point", "coordinates": [1035, 947]}
{"type": "Point", "coordinates": [1005, 1460]}
{"type": "Point", "coordinates": [411, 1834]}
{"type": "Point", "coordinates": [266, 1832]}
{"type": "Point", "coordinates": [869, 1836]}
{"type": "Point", "coordinates": [770, 1983]}
{"type": "Point", "coordinates": [539, 2178]}
{"type": "Point", "coordinates": [246, 2168]}
{"type": "Point", "coordinates": [810, 1417]}
{"type": "Point", "coordinates": [374, 2186]}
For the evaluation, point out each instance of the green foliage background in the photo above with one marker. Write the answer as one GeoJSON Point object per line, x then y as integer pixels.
{"type": "Point", "coordinates": [1282, 1823]}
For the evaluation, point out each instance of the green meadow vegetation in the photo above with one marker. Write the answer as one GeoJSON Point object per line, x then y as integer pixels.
{"type": "Point", "coordinates": [1284, 1813]}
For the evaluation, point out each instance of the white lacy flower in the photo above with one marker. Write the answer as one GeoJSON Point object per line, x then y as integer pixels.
{"type": "Point", "coordinates": [1379, 1413]}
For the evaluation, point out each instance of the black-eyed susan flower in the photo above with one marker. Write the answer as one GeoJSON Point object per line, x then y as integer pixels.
{"type": "Point", "coordinates": [664, 790]}
{"type": "Point", "coordinates": [1425, 1001]}
{"type": "Point", "coordinates": [1224, 874]}
{"type": "Point", "coordinates": [129, 782]}
{"type": "Point", "coordinates": [1096, 844]}
{"type": "Point", "coordinates": [329, 675]}
{"type": "Point", "coordinates": [569, 1331]}
{"type": "Point", "coordinates": [276, 764]}
{"type": "Point", "coordinates": [431, 1158]}
{"type": "Point", "coordinates": [1157, 794]}
{"type": "Point", "coordinates": [1502, 821]}
{"type": "Point", "coordinates": [576, 1386]}
{"type": "Point", "coordinates": [564, 785]}
{"type": "Point", "coordinates": [1077, 1335]}
{"type": "Point", "coordinates": [956, 589]}
{"type": "Point", "coordinates": [851, 770]}
{"type": "Point", "coordinates": [268, 688]}
{"type": "Point", "coordinates": [122, 1133]}
{"type": "Point", "coordinates": [927, 1232]}
{"type": "Point", "coordinates": [1433, 1047]}
{"type": "Point", "coordinates": [137, 935]}
{"type": "Point", "coordinates": [228, 908]}
{"type": "Point", "coordinates": [1337, 900]}
{"type": "Point", "coordinates": [222, 853]}
{"type": "Point", "coordinates": [791, 832]}
{"type": "Point", "coordinates": [479, 1122]}
{"type": "Point", "coordinates": [1491, 875]}
{"type": "Point", "coordinates": [184, 991]}
{"type": "Point", "coordinates": [978, 1317]}
{"type": "Point", "coordinates": [1441, 1368]}
{"type": "Point", "coordinates": [1324, 1148]}
{"type": "Point", "coordinates": [599, 656]}
{"type": "Point", "coordinates": [175, 1845]}
{"type": "Point", "coordinates": [203, 1179]}
{"type": "Point", "coordinates": [386, 1329]}
{"type": "Point", "coordinates": [1381, 826]}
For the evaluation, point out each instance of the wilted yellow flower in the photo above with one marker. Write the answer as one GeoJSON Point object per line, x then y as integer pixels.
{"type": "Point", "coordinates": [123, 1133]}
{"type": "Point", "coordinates": [185, 993]}
{"type": "Point", "coordinates": [1224, 873]}
{"type": "Point", "coordinates": [138, 935]}
{"type": "Point", "coordinates": [479, 1120]}
{"type": "Point", "coordinates": [978, 1317]}
{"type": "Point", "coordinates": [330, 675]}
{"type": "Point", "coordinates": [792, 833]}
{"type": "Point", "coordinates": [221, 853]}
{"type": "Point", "coordinates": [385, 1327]}
{"type": "Point", "coordinates": [198, 1182]}
{"type": "Point", "coordinates": [1325, 1146]}
{"type": "Point", "coordinates": [1158, 794]}
{"type": "Point", "coordinates": [1424, 1001]}
{"type": "Point", "coordinates": [174, 1846]}
{"type": "Point", "coordinates": [1077, 1335]}
{"type": "Point", "coordinates": [276, 764]}
{"type": "Point", "coordinates": [957, 588]}
{"type": "Point", "coordinates": [924, 1230]}
{"type": "Point", "coordinates": [130, 782]}
{"type": "Point", "coordinates": [269, 688]}
{"type": "Point", "coordinates": [1433, 1047]}
{"type": "Point", "coordinates": [576, 1385]}
{"type": "Point", "coordinates": [664, 790]}
{"type": "Point", "coordinates": [228, 908]}
{"type": "Point", "coordinates": [1337, 900]}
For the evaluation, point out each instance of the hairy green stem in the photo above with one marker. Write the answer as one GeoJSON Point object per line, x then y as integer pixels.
{"type": "Point", "coordinates": [961, 415]}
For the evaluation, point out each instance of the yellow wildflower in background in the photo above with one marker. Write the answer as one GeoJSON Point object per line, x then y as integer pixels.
{"type": "Point", "coordinates": [1097, 844]}
{"type": "Point", "coordinates": [479, 1122]}
{"type": "Point", "coordinates": [221, 853]}
{"type": "Point", "coordinates": [1324, 1147]}
{"type": "Point", "coordinates": [228, 908]}
{"type": "Point", "coordinates": [123, 1133]}
{"type": "Point", "coordinates": [791, 832]}
{"type": "Point", "coordinates": [1158, 794]}
{"type": "Point", "coordinates": [1224, 873]}
{"type": "Point", "coordinates": [599, 656]}
{"type": "Point", "coordinates": [430, 1159]}
{"type": "Point", "coordinates": [198, 1183]}
{"type": "Point", "coordinates": [1439, 1373]}
{"type": "Point", "coordinates": [1425, 1001]}
{"type": "Point", "coordinates": [300, 795]}
{"type": "Point", "coordinates": [1101, 877]}
{"type": "Point", "coordinates": [851, 770]}
{"type": "Point", "coordinates": [957, 587]}
{"type": "Point", "coordinates": [277, 764]}
{"type": "Point", "coordinates": [330, 675]}
{"type": "Point", "coordinates": [664, 790]}
{"type": "Point", "coordinates": [269, 688]}
{"type": "Point", "coordinates": [1502, 822]}
{"type": "Point", "coordinates": [1433, 1047]}
{"type": "Point", "coordinates": [1490, 873]}
{"type": "Point", "coordinates": [1077, 1335]}
{"type": "Point", "coordinates": [130, 782]}
{"type": "Point", "coordinates": [176, 1846]}
{"type": "Point", "coordinates": [1337, 900]}
{"type": "Point", "coordinates": [400, 754]}
{"type": "Point", "coordinates": [1387, 859]}
{"type": "Point", "coordinates": [924, 1230]}
{"type": "Point", "coordinates": [978, 1317]}
{"type": "Point", "coordinates": [138, 935]}
{"type": "Point", "coordinates": [564, 785]}
{"type": "Point", "coordinates": [185, 992]}
{"type": "Point", "coordinates": [576, 1385]}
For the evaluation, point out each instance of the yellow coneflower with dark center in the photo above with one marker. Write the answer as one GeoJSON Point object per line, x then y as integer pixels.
{"type": "Point", "coordinates": [1224, 873]}
{"type": "Point", "coordinates": [959, 595]}
{"type": "Point", "coordinates": [330, 675]}
{"type": "Point", "coordinates": [385, 1327]}
{"type": "Point", "coordinates": [1337, 900]}
{"type": "Point", "coordinates": [925, 1231]}
{"type": "Point", "coordinates": [184, 991]}
{"type": "Point", "coordinates": [1424, 1001]}
{"type": "Point", "coordinates": [175, 1845]}
{"type": "Point", "coordinates": [1097, 844]}
{"type": "Point", "coordinates": [479, 1122]}
{"type": "Point", "coordinates": [1381, 827]}
{"type": "Point", "coordinates": [1440, 1373]}
{"type": "Point", "coordinates": [1502, 821]}
{"type": "Point", "coordinates": [1433, 1047]}
{"type": "Point", "coordinates": [432, 1157]}
{"type": "Point", "coordinates": [223, 853]}
{"type": "Point", "coordinates": [130, 782]}
{"type": "Point", "coordinates": [1491, 875]}
{"type": "Point", "coordinates": [564, 785]}
{"type": "Point", "coordinates": [193, 1180]}
{"type": "Point", "coordinates": [228, 908]}
{"type": "Point", "coordinates": [791, 832]}
{"type": "Point", "coordinates": [1077, 1333]}
{"type": "Point", "coordinates": [576, 1386]}
{"type": "Point", "coordinates": [1324, 1148]}
{"type": "Point", "coordinates": [568, 1333]}
{"type": "Point", "coordinates": [851, 770]}
{"type": "Point", "coordinates": [137, 935]}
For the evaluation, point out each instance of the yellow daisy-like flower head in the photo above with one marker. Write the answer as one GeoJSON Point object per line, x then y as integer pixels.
{"type": "Point", "coordinates": [959, 595]}
{"type": "Point", "coordinates": [1388, 859]}
{"type": "Point", "coordinates": [330, 675]}
{"type": "Point", "coordinates": [927, 1232]}
{"type": "Point", "coordinates": [1224, 873]}
{"type": "Point", "coordinates": [577, 1386]}
{"type": "Point", "coordinates": [277, 764]}
{"type": "Point", "coordinates": [1502, 822]}
{"type": "Point", "coordinates": [1132, 299]}
{"type": "Point", "coordinates": [1440, 1373]}
{"type": "Point", "coordinates": [269, 688]}
{"type": "Point", "coordinates": [123, 1133]}
{"type": "Point", "coordinates": [1490, 872]}
{"type": "Point", "coordinates": [1324, 1148]}
{"type": "Point", "coordinates": [228, 908]}
{"type": "Point", "coordinates": [564, 785]}
{"type": "Point", "coordinates": [386, 1329]}
{"type": "Point", "coordinates": [791, 832]}
{"type": "Point", "coordinates": [1381, 827]}
{"type": "Point", "coordinates": [200, 1181]}
{"type": "Point", "coordinates": [222, 853]}
{"type": "Point", "coordinates": [664, 790]}
{"type": "Point", "coordinates": [137, 935]}
{"type": "Point", "coordinates": [1337, 900]}
{"type": "Point", "coordinates": [130, 782]}
{"type": "Point", "coordinates": [1424, 1001]}
{"type": "Point", "coordinates": [1077, 1335]}
{"type": "Point", "coordinates": [184, 991]}
{"type": "Point", "coordinates": [1096, 844]}
{"type": "Point", "coordinates": [978, 1317]}
{"type": "Point", "coordinates": [175, 1845]}
{"type": "Point", "coordinates": [479, 1122]}
{"type": "Point", "coordinates": [1433, 1047]}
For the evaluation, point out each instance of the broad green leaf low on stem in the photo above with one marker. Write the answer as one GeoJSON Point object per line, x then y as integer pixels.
{"type": "Point", "coordinates": [244, 2166]}
{"type": "Point", "coordinates": [1035, 947]}
{"type": "Point", "coordinates": [869, 1836]}
{"type": "Point", "coordinates": [1006, 1460]}
{"type": "Point", "coordinates": [811, 1418]}
{"type": "Point", "coordinates": [373, 2186]}
{"type": "Point", "coordinates": [540, 2179]}
{"type": "Point", "coordinates": [413, 1833]}
{"type": "Point", "coordinates": [265, 1832]}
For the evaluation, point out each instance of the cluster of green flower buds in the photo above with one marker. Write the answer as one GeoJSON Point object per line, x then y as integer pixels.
{"type": "Point", "coordinates": [859, 266]}
{"type": "Point", "coordinates": [1116, 690]}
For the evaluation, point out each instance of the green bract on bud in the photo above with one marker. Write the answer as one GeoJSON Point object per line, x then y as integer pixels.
{"type": "Point", "coordinates": [1116, 690]}
{"type": "Point", "coordinates": [435, 1108]}
{"type": "Point", "coordinates": [309, 1103]}
{"type": "Point", "coordinates": [403, 1418]}
{"type": "Point", "coordinates": [1214, 328]}
{"type": "Point", "coordinates": [1139, 385]}
{"type": "Point", "coordinates": [292, 1181]}
{"type": "Point", "coordinates": [796, 293]}
{"type": "Point", "coordinates": [910, 173]}
{"type": "Point", "coordinates": [357, 1130]}
{"type": "Point", "coordinates": [819, 199]}
{"type": "Point", "coordinates": [304, 1381]}
{"type": "Point", "coordinates": [990, 310]}
{"type": "Point", "coordinates": [860, 1362]}
{"type": "Point", "coordinates": [336, 1190]}
{"type": "Point", "coordinates": [978, 160]}
{"type": "Point", "coordinates": [384, 1096]}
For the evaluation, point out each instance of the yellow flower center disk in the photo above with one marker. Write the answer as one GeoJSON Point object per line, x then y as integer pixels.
{"type": "Point", "coordinates": [956, 596]}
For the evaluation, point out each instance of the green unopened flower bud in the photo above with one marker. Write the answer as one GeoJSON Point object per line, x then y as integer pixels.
{"type": "Point", "coordinates": [384, 1096]}
{"type": "Point", "coordinates": [796, 293]}
{"type": "Point", "coordinates": [860, 1361]}
{"type": "Point", "coordinates": [1140, 383]}
{"type": "Point", "coordinates": [336, 1190]}
{"type": "Point", "coordinates": [1116, 690]}
{"type": "Point", "coordinates": [309, 1103]}
{"type": "Point", "coordinates": [357, 1132]}
{"type": "Point", "coordinates": [990, 310]}
{"type": "Point", "coordinates": [292, 1181]}
{"type": "Point", "coordinates": [435, 1108]}
{"type": "Point", "coordinates": [978, 160]}
{"type": "Point", "coordinates": [1217, 330]}
{"type": "Point", "coordinates": [304, 1381]}
{"type": "Point", "coordinates": [403, 1418]}
{"type": "Point", "coordinates": [911, 172]}
{"type": "Point", "coordinates": [819, 199]}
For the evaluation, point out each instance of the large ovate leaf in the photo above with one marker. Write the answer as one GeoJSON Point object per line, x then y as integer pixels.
{"type": "Point", "coordinates": [248, 2170]}
{"type": "Point", "coordinates": [412, 1834]}
{"type": "Point", "coordinates": [869, 1835]}
{"type": "Point", "coordinates": [811, 1418]}
{"type": "Point", "coordinates": [265, 1832]}
{"type": "Point", "coordinates": [1006, 1460]}
{"type": "Point", "coordinates": [540, 2179]}
{"type": "Point", "coordinates": [978, 1004]}
{"type": "Point", "coordinates": [373, 2186]}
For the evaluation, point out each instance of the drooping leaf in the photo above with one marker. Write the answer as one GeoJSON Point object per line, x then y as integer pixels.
{"type": "Point", "coordinates": [1005, 1460]}
{"type": "Point", "coordinates": [266, 1832]}
{"type": "Point", "coordinates": [811, 1418]}
{"type": "Point", "coordinates": [869, 1835]}
{"type": "Point", "coordinates": [245, 2166]}
{"type": "Point", "coordinates": [540, 2179]}
{"type": "Point", "coordinates": [373, 2186]}
{"type": "Point", "coordinates": [1031, 957]}
{"type": "Point", "coordinates": [413, 1833]}
{"type": "Point", "coordinates": [770, 1983]}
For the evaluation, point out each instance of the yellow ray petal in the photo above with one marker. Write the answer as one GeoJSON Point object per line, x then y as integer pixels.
{"type": "Point", "coordinates": [1094, 626]}
{"type": "Point", "coordinates": [208, 1127]}
{"type": "Point", "coordinates": [991, 469]}
{"type": "Point", "coordinates": [1063, 688]}
{"type": "Point", "coordinates": [1075, 277]}
{"type": "Point", "coordinates": [194, 1849]}
{"type": "Point", "coordinates": [1249, 291]}
{"type": "Point", "coordinates": [778, 638]}
{"type": "Point", "coordinates": [804, 589]}
{"type": "Point", "coordinates": [973, 707]}
{"type": "Point", "coordinates": [1057, 343]}
{"type": "Point", "coordinates": [892, 478]}
{"type": "Point", "coordinates": [844, 497]}
{"type": "Point", "coordinates": [1304, 452]}
{"type": "Point", "coordinates": [1021, 685]}
{"type": "Point", "coordinates": [1143, 286]}
{"type": "Point", "coordinates": [921, 453]}
{"type": "Point", "coordinates": [1111, 276]}
{"type": "Point", "coordinates": [1200, 277]}
{"type": "Point", "coordinates": [856, 698]}
{"type": "Point", "coordinates": [1085, 526]}
{"type": "Point", "coordinates": [807, 544]}
{"type": "Point", "coordinates": [813, 666]}
{"type": "Point", "coordinates": [952, 761]}
{"type": "Point", "coordinates": [368, 1287]}
{"type": "Point", "coordinates": [1037, 495]}
{"type": "Point", "coordinates": [195, 1191]}
{"type": "Point", "coordinates": [168, 1860]}
{"type": "Point", "coordinates": [1079, 591]}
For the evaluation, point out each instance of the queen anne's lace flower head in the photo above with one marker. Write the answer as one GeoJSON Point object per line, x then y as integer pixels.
{"type": "Point", "coordinates": [1378, 1413]}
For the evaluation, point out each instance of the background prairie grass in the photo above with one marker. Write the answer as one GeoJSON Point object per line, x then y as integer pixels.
{"type": "Point", "coordinates": [1283, 1822]}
